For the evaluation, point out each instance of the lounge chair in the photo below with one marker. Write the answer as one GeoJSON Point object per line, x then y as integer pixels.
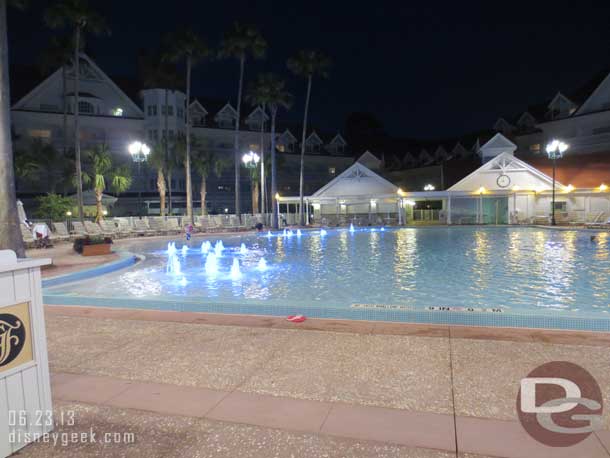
{"type": "Point", "coordinates": [158, 225]}
{"type": "Point", "coordinates": [95, 230]}
{"type": "Point", "coordinates": [125, 227]}
{"type": "Point", "coordinates": [172, 225]}
{"type": "Point", "coordinates": [62, 231]}
{"type": "Point", "coordinates": [141, 227]}
{"type": "Point", "coordinates": [56, 236]}
{"type": "Point", "coordinates": [109, 228]}
{"type": "Point", "coordinates": [79, 229]}
{"type": "Point", "coordinates": [28, 237]}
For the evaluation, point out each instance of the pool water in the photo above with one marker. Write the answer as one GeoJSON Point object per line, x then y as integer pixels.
{"type": "Point", "coordinates": [510, 269]}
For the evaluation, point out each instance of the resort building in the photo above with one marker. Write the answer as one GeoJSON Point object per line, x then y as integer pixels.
{"type": "Point", "coordinates": [503, 190]}
{"type": "Point", "coordinates": [116, 117]}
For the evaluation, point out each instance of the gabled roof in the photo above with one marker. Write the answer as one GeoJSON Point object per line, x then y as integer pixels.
{"type": "Point", "coordinates": [314, 137]}
{"type": "Point", "coordinates": [227, 109]}
{"type": "Point", "coordinates": [257, 112]}
{"type": "Point", "coordinates": [598, 100]}
{"type": "Point", "coordinates": [459, 150]}
{"type": "Point", "coordinates": [369, 159]}
{"type": "Point", "coordinates": [503, 125]}
{"type": "Point", "coordinates": [556, 101]}
{"type": "Point", "coordinates": [287, 134]}
{"type": "Point", "coordinates": [357, 180]}
{"type": "Point", "coordinates": [526, 119]}
{"type": "Point", "coordinates": [197, 106]}
{"type": "Point", "coordinates": [520, 173]}
{"type": "Point", "coordinates": [498, 143]}
{"type": "Point", "coordinates": [94, 72]}
{"type": "Point", "coordinates": [338, 139]}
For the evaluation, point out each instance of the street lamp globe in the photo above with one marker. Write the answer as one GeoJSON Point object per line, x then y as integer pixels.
{"type": "Point", "coordinates": [250, 159]}
{"type": "Point", "coordinates": [554, 150]}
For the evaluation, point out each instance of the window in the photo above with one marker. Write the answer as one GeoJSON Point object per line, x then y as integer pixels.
{"type": "Point", "coordinates": [117, 112]}
{"type": "Point", "coordinates": [290, 147]}
{"type": "Point", "coordinates": [535, 148]}
{"type": "Point", "coordinates": [281, 148]}
{"type": "Point", "coordinates": [170, 110]}
{"type": "Point", "coordinates": [180, 112]}
{"type": "Point", "coordinates": [332, 171]}
{"type": "Point", "coordinates": [171, 134]}
{"type": "Point", "coordinates": [85, 107]}
{"type": "Point", "coordinates": [560, 206]}
{"type": "Point", "coordinates": [43, 134]}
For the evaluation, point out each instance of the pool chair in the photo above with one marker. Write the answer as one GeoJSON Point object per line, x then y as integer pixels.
{"type": "Point", "coordinates": [172, 225]}
{"type": "Point", "coordinates": [95, 230]}
{"type": "Point", "coordinates": [109, 228]}
{"type": "Point", "coordinates": [141, 227]}
{"type": "Point", "coordinates": [26, 235]}
{"type": "Point", "coordinates": [598, 221]}
{"type": "Point", "coordinates": [158, 225]}
{"type": "Point", "coordinates": [57, 236]}
{"type": "Point", "coordinates": [125, 227]}
{"type": "Point", "coordinates": [78, 229]}
{"type": "Point", "coordinates": [61, 230]}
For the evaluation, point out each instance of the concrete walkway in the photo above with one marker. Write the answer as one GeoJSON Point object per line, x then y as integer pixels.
{"type": "Point", "coordinates": [321, 388]}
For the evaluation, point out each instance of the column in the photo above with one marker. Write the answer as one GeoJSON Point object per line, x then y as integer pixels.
{"type": "Point", "coordinates": [448, 208]}
{"type": "Point", "coordinates": [307, 213]}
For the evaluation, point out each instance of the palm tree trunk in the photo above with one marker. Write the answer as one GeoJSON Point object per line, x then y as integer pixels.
{"type": "Point", "coordinates": [301, 174]}
{"type": "Point", "coordinates": [161, 189]}
{"type": "Point", "coordinates": [262, 174]}
{"type": "Point", "coordinates": [79, 172]}
{"type": "Point", "coordinates": [64, 89]}
{"type": "Point", "coordinates": [255, 191]}
{"type": "Point", "coordinates": [187, 159]}
{"type": "Point", "coordinates": [274, 219]}
{"type": "Point", "coordinates": [10, 232]}
{"type": "Point", "coordinates": [237, 159]}
{"type": "Point", "coordinates": [167, 158]}
{"type": "Point", "coordinates": [203, 193]}
{"type": "Point", "coordinates": [98, 206]}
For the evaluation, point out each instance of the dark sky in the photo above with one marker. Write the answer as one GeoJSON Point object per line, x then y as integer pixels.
{"type": "Point", "coordinates": [426, 69]}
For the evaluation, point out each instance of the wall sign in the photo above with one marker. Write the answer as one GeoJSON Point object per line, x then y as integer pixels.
{"type": "Point", "coordinates": [15, 336]}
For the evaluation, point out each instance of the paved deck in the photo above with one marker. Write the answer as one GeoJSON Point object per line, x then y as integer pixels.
{"type": "Point", "coordinates": [194, 384]}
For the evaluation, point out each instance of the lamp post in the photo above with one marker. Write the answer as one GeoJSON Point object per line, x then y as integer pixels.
{"type": "Point", "coordinates": [555, 150]}
{"type": "Point", "coordinates": [251, 160]}
{"type": "Point", "coordinates": [139, 153]}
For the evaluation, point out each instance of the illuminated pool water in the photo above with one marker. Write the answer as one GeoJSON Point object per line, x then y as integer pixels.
{"type": "Point", "coordinates": [367, 272]}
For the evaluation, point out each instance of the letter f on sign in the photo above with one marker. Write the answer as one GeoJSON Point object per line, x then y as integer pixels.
{"type": "Point", "coordinates": [528, 394]}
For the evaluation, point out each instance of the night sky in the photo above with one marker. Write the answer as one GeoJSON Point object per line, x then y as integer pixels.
{"type": "Point", "coordinates": [425, 69]}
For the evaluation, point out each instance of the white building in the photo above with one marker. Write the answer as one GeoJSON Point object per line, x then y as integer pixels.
{"type": "Point", "coordinates": [109, 116]}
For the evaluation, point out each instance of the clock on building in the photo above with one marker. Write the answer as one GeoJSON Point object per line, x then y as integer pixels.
{"type": "Point", "coordinates": [503, 181]}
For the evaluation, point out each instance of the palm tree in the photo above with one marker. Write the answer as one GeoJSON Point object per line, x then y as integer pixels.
{"type": "Point", "coordinates": [10, 232]}
{"type": "Point", "coordinates": [159, 74]}
{"type": "Point", "coordinates": [270, 90]}
{"type": "Point", "coordinates": [205, 163]}
{"type": "Point", "coordinates": [239, 43]}
{"type": "Point", "coordinates": [60, 54]}
{"type": "Point", "coordinates": [158, 160]}
{"type": "Point", "coordinates": [187, 45]}
{"type": "Point", "coordinates": [78, 15]}
{"type": "Point", "coordinates": [40, 161]}
{"type": "Point", "coordinates": [101, 170]}
{"type": "Point", "coordinates": [307, 64]}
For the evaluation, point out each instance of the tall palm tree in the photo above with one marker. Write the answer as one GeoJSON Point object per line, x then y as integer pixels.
{"type": "Point", "coordinates": [10, 232]}
{"type": "Point", "coordinates": [307, 64]}
{"type": "Point", "coordinates": [270, 90]}
{"type": "Point", "coordinates": [159, 74]}
{"type": "Point", "coordinates": [158, 160]}
{"type": "Point", "coordinates": [240, 42]}
{"type": "Point", "coordinates": [205, 163]}
{"type": "Point", "coordinates": [187, 45]}
{"type": "Point", "coordinates": [59, 53]}
{"type": "Point", "coordinates": [78, 15]}
{"type": "Point", "coordinates": [102, 170]}
{"type": "Point", "coordinates": [257, 96]}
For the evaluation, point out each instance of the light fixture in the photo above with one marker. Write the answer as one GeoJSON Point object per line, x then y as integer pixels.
{"type": "Point", "coordinates": [139, 151]}
{"type": "Point", "coordinates": [400, 192]}
{"type": "Point", "coordinates": [277, 196]}
{"type": "Point", "coordinates": [226, 210]}
{"type": "Point", "coordinates": [569, 188]}
{"type": "Point", "coordinates": [68, 213]}
{"type": "Point", "coordinates": [482, 190]}
{"type": "Point", "coordinates": [410, 203]}
{"type": "Point", "coordinates": [516, 188]}
{"type": "Point", "coordinates": [250, 159]}
{"type": "Point", "coordinates": [105, 212]}
{"type": "Point", "coordinates": [429, 187]}
{"type": "Point", "coordinates": [603, 187]}
{"type": "Point", "coordinates": [555, 150]}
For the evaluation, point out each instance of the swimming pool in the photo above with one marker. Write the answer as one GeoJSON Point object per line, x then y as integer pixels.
{"type": "Point", "coordinates": [512, 276]}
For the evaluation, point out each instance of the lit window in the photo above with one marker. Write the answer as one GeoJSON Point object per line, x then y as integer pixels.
{"type": "Point", "coordinates": [535, 148]}
{"type": "Point", "coordinates": [40, 133]}
{"type": "Point", "coordinates": [117, 112]}
{"type": "Point", "coordinates": [331, 171]}
{"type": "Point", "coordinates": [281, 148]}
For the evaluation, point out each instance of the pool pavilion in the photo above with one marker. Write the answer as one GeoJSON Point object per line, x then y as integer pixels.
{"type": "Point", "coordinates": [504, 190]}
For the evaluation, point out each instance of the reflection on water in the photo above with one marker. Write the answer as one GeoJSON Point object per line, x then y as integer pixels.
{"type": "Point", "coordinates": [519, 268]}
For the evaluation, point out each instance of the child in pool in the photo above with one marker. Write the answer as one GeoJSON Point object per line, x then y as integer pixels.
{"type": "Point", "coordinates": [188, 231]}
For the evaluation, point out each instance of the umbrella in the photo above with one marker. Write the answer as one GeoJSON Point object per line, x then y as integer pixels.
{"type": "Point", "coordinates": [21, 212]}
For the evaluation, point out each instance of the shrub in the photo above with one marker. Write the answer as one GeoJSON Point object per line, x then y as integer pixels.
{"type": "Point", "coordinates": [79, 243]}
{"type": "Point", "coordinates": [53, 207]}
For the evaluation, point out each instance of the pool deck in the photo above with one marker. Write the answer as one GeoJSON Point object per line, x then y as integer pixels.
{"type": "Point", "coordinates": [193, 384]}
{"type": "Point", "coordinates": [227, 385]}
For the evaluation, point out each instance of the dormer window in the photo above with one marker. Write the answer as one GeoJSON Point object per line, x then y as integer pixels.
{"type": "Point", "coordinates": [226, 122]}
{"type": "Point", "coordinates": [85, 107]}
